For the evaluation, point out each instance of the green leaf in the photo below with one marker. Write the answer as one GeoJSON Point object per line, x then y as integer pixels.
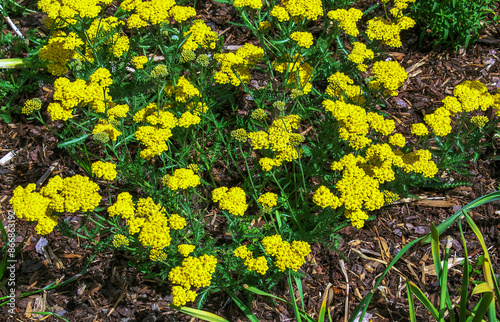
{"type": "Point", "coordinates": [411, 305]}
{"type": "Point", "coordinates": [204, 315]}
{"type": "Point", "coordinates": [73, 141]}
{"type": "Point", "coordinates": [423, 299]}
{"type": "Point", "coordinates": [242, 306]}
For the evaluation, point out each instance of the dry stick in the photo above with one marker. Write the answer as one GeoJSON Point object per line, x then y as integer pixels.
{"type": "Point", "coordinates": [46, 174]}
{"type": "Point", "coordinates": [342, 266]}
{"type": "Point", "coordinates": [12, 25]}
{"type": "Point", "coordinates": [122, 295]}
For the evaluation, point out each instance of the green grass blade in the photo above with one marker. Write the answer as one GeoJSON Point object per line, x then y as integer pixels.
{"type": "Point", "coordinates": [487, 271]}
{"type": "Point", "coordinates": [204, 315]}
{"type": "Point", "coordinates": [298, 281]}
{"type": "Point", "coordinates": [443, 280]}
{"type": "Point", "coordinates": [483, 307]}
{"type": "Point", "coordinates": [424, 300]}
{"type": "Point", "coordinates": [259, 292]}
{"type": "Point", "coordinates": [436, 256]}
{"type": "Point", "coordinates": [242, 306]}
{"type": "Point", "coordinates": [413, 317]}
{"type": "Point", "coordinates": [473, 204]}
{"type": "Point", "coordinates": [292, 296]}
{"type": "Point", "coordinates": [465, 278]}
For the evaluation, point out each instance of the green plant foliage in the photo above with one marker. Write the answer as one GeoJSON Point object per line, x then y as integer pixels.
{"type": "Point", "coordinates": [452, 22]}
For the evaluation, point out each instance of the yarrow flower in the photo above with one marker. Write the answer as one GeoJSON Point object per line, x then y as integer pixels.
{"type": "Point", "coordinates": [419, 129]}
{"type": "Point", "coordinates": [233, 200]}
{"type": "Point", "coordinates": [254, 4]}
{"type": "Point", "coordinates": [479, 120]}
{"type": "Point", "coordinates": [186, 249]}
{"type": "Point", "coordinates": [70, 194]}
{"type": "Point", "coordinates": [304, 39]}
{"type": "Point", "coordinates": [358, 54]}
{"type": "Point", "coordinates": [31, 106]}
{"type": "Point", "coordinates": [347, 19]}
{"type": "Point", "coordinates": [105, 170]}
{"type": "Point", "coordinates": [139, 61]}
{"type": "Point", "coordinates": [176, 222]}
{"type": "Point", "coordinates": [389, 74]}
{"type": "Point", "coordinates": [323, 197]}
{"type": "Point", "coordinates": [286, 255]}
{"type": "Point", "coordinates": [193, 272]}
{"type": "Point", "coordinates": [258, 264]}
{"type": "Point", "coordinates": [239, 135]}
{"type": "Point", "coordinates": [182, 179]}
{"type": "Point", "coordinates": [268, 200]}
{"type": "Point", "coordinates": [120, 241]}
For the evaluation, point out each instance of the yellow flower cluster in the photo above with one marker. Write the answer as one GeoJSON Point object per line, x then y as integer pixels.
{"type": "Point", "coordinates": [286, 255]}
{"type": "Point", "coordinates": [59, 195]}
{"type": "Point", "coordinates": [182, 91]}
{"type": "Point", "coordinates": [176, 222]}
{"type": "Point", "coordinates": [304, 39]}
{"type": "Point", "coordinates": [347, 19]}
{"type": "Point", "coordinates": [105, 127]}
{"type": "Point", "coordinates": [147, 219]}
{"type": "Point", "coordinates": [159, 71]}
{"type": "Point", "coordinates": [296, 71]}
{"type": "Point", "coordinates": [341, 86]}
{"type": "Point", "coordinates": [389, 75]}
{"type": "Point", "coordinates": [353, 122]}
{"type": "Point", "coordinates": [59, 50]}
{"type": "Point", "coordinates": [186, 249]}
{"type": "Point", "coordinates": [419, 129]}
{"type": "Point", "coordinates": [264, 26]}
{"type": "Point", "coordinates": [193, 272]}
{"type": "Point", "coordinates": [105, 32]}
{"type": "Point", "coordinates": [155, 12]}
{"type": "Point", "coordinates": [397, 140]}
{"type": "Point", "coordinates": [155, 135]}
{"type": "Point", "coordinates": [94, 93]}
{"type": "Point", "coordinates": [187, 56]}
{"type": "Point", "coordinates": [479, 120]}
{"type": "Point", "coordinates": [182, 179]}
{"type": "Point", "coordinates": [105, 170]}
{"type": "Point", "coordinates": [298, 9]}
{"type": "Point", "coordinates": [67, 10]}
{"type": "Point", "coordinates": [239, 135]}
{"type": "Point", "coordinates": [258, 264]}
{"type": "Point", "coordinates": [157, 255]}
{"type": "Point", "coordinates": [254, 4]}
{"type": "Point", "coordinates": [468, 97]}
{"type": "Point", "coordinates": [233, 200]}
{"type": "Point", "coordinates": [420, 162]}
{"type": "Point", "coordinates": [120, 241]}
{"type": "Point", "coordinates": [387, 31]}
{"type": "Point", "coordinates": [358, 54]}
{"type": "Point", "coordinates": [259, 114]}
{"type": "Point", "coordinates": [390, 197]}
{"type": "Point", "coordinates": [139, 61]}
{"type": "Point", "coordinates": [323, 197]}
{"type": "Point", "coordinates": [280, 139]}
{"type": "Point", "coordinates": [182, 295]}
{"type": "Point", "coordinates": [234, 66]}
{"type": "Point", "coordinates": [31, 106]}
{"type": "Point", "coordinates": [268, 200]}
{"type": "Point", "coordinates": [200, 36]}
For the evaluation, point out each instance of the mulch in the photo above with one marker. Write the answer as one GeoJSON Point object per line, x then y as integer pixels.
{"type": "Point", "coordinates": [111, 290]}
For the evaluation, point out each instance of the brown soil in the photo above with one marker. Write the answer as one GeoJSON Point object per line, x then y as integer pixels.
{"type": "Point", "coordinates": [111, 290]}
